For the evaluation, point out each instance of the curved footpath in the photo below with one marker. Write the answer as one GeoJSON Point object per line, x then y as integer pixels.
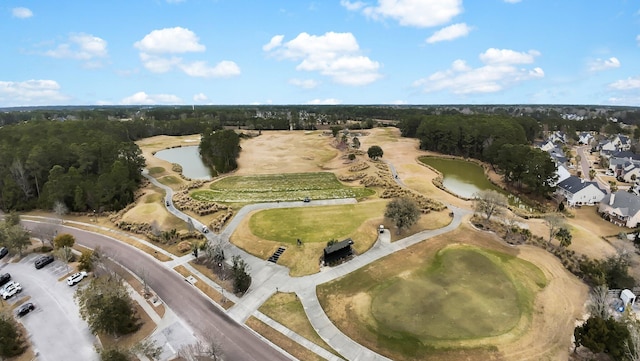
{"type": "Point", "coordinates": [268, 278]}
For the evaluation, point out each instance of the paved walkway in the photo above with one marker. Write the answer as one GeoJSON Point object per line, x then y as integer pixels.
{"type": "Point", "coordinates": [269, 278]}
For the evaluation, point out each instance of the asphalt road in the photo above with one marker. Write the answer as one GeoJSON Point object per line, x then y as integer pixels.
{"type": "Point", "coordinates": [55, 328]}
{"type": "Point", "coordinates": [238, 343]}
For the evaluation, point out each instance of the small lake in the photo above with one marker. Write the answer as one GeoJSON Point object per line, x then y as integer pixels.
{"type": "Point", "coordinates": [189, 159]}
{"type": "Point", "coordinates": [466, 178]}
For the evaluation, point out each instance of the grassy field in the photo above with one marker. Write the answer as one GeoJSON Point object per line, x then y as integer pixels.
{"type": "Point", "coordinates": [438, 299]}
{"type": "Point", "coordinates": [465, 293]}
{"type": "Point", "coordinates": [286, 309]}
{"type": "Point", "coordinates": [279, 187]}
{"type": "Point", "coordinates": [313, 224]}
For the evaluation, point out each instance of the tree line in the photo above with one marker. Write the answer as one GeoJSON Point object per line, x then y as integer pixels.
{"type": "Point", "coordinates": [502, 141]}
{"type": "Point", "coordinates": [78, 165]}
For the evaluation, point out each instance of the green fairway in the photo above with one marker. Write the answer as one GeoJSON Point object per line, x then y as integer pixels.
{"type": "Point", "coordinates": [313, 224]}
{"type": "Point", "coordinates": [279, 187]}
{"type": "Point", "coordinates": [465, 293]}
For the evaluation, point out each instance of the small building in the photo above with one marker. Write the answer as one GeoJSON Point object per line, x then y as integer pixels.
{"type": "Point", "coordinates": [338, 251]}
{"type": "Point", "coordinates": [627, 297]}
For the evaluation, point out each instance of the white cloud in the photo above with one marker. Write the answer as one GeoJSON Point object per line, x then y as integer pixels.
{"type": "Point", "coordinates": [21, 13]}
{"type": "Point", "coordinates": [449, 33]}
{"type": "Point", "coordinates": [175, 1]}
{"type": "Point", "coordinates": [142, 98]}
{"type": "Point", "coordinates": [170, 40]}
{"type": "Point", "coordinates": [200, 97]}
{"type": "Point", "coordinates": [304, 83]}
{"type": "Point", "coordinates": [155, 47]}
{"type": "Point", "coordinates": [499, 72]}
{"type": "Point", "coordinates": [81, 46]}
{"type": "Point", "coordinates": [418, 13]}
{"type": "Point", "coordinates": [223, 69]}
{"type": "Point", "coordinates": [352, 6]}
{"type": "Point", "coordinates": [626, 84]}
{"type": "Point", "coordinates": [273, 43]}
{"type": "Point", "coordinates": [328, 101]}
{"type": "Point", "coordinates": [159, 64]}
{"type": "Point", "coordinates": [30, 92]}
{"type": "Point", "coordinates": [336, 55]}
{"type": "Point", "coordinates": [512, 1]}
{"type": "Point", "coordinates": [604, 64]}
{"type": "Point", "coordinates": [506, 56]}
{"type": "Point", "coordinates": [399, 102]}
{"type": "Point", "coordinates": [638, 39]}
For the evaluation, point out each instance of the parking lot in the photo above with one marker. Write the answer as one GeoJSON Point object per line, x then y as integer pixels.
{"type": "Point", "coordinates": [54, 328]}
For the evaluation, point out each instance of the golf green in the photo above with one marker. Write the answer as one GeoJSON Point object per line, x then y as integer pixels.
{"type": "Point", "coordinates": [465, 293]}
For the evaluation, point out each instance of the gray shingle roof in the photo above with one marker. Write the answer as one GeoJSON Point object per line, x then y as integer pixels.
{"type": "Point", "coordinates": [628, 203]}
{"type": "Point", "coordinates": [574, 184]}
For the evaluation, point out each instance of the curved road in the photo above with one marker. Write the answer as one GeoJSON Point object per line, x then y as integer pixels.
{"type": "Point", "coordinates": [238, 343]}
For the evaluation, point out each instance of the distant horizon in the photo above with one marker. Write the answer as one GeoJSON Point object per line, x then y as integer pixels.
{"type": "Point", "coordinates": [334, 52]}
{"type": "Point", "coordinates": [313, 105]}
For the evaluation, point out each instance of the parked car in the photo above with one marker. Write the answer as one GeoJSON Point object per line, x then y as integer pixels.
{"type": "Point", "coordinates": [205, 229]}
{"type": "Point", "coordinates": [5, 278]}
{"type": "Point", "coordinates": [24, 309]}
{"type": "Point", "coordinates": [11, 289]}
{"type": "Point", "coordinates": [306, 199]}
{"type": "Point", "coordinates": [3, 252]}
{"type": "Point", "coordinates": [43, 261]}
{"type": "Point", "coordinates": [76, 278]}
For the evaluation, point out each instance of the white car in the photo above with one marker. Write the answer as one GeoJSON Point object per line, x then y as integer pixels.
{"type": "Point", "coordinates": [76, 277]}
{"type": "Point", "coordinates": [11, 289]}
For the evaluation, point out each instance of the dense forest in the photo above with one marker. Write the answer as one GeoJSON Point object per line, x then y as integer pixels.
{"type": "Point", "coordinates": [503, 141]}
{"type": "Point", "coordinates": [79, 165]}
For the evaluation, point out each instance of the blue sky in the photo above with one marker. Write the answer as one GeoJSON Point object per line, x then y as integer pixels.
{"type": "Point", "coordinates": [228, 52]}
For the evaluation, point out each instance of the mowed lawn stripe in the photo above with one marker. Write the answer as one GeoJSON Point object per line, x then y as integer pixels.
{"type": "Point", "coordinates": [279, 187]}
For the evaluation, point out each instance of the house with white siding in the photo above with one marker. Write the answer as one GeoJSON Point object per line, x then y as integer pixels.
{"type": "Point", "coordinates": [579, 192]}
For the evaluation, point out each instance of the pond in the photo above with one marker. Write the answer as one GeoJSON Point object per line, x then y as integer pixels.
{"type": "Point", "coordinates": [465, 178]}
{"type": "Point", "coordinates": [189, 159]}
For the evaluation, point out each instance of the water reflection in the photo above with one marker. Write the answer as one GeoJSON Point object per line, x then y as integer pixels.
{"type": "Point", "coordinates": [189, 159]}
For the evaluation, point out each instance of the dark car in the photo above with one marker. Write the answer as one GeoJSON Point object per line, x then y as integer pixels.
{"type": "Point", "coordinates": [3, 252]}
{"type": "Point", "coordinates": [43, 261]}
{"type": "Point", "coordinates": [24, 309]}
{"type": "Point", "coordinates": [306, 199]}
{"type": "Point", "coordinates": [4, 279]}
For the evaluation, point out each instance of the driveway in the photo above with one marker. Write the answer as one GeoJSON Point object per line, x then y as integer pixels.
{"type": "Point", "coordinates": [54, 328]}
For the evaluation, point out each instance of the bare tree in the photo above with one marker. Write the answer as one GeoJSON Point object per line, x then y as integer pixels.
{"type": "Point", "coordinates": [46, 232]}
{"type": "Point", "coordinates": [554, 221]}
{"type": "Point", "coordinates": [203, 350]}
{"type": "Point", "coordinates": [598, 302]}
{"type": "Point", "coordinates": [21, 178]}
{"type": "Point", "coordinates": [60, 209]}
{"type": "Point", "coordinates": [490, 203]}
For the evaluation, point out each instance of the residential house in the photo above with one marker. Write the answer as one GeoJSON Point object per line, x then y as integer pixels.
{"type": "Point", "coordinates": [585, 138]}
{"type": "Point", "coordinates": [558, 137]}
{"type": "Point", "coordinates": [563, 173]}
{"type": "Point", "coordinates": [546, 146]}
{"type": "Point", "coordinates": [618, 143]}
{"type": "Point", "coordinates": [579, 192]}
{"type": "Point", "coordinates": [621, 208]}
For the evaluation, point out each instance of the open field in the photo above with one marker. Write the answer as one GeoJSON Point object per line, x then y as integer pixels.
{"type": "Point", "coordinates": [392, 305]}
{"type": "Point", "coordinates": [279, 187]}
